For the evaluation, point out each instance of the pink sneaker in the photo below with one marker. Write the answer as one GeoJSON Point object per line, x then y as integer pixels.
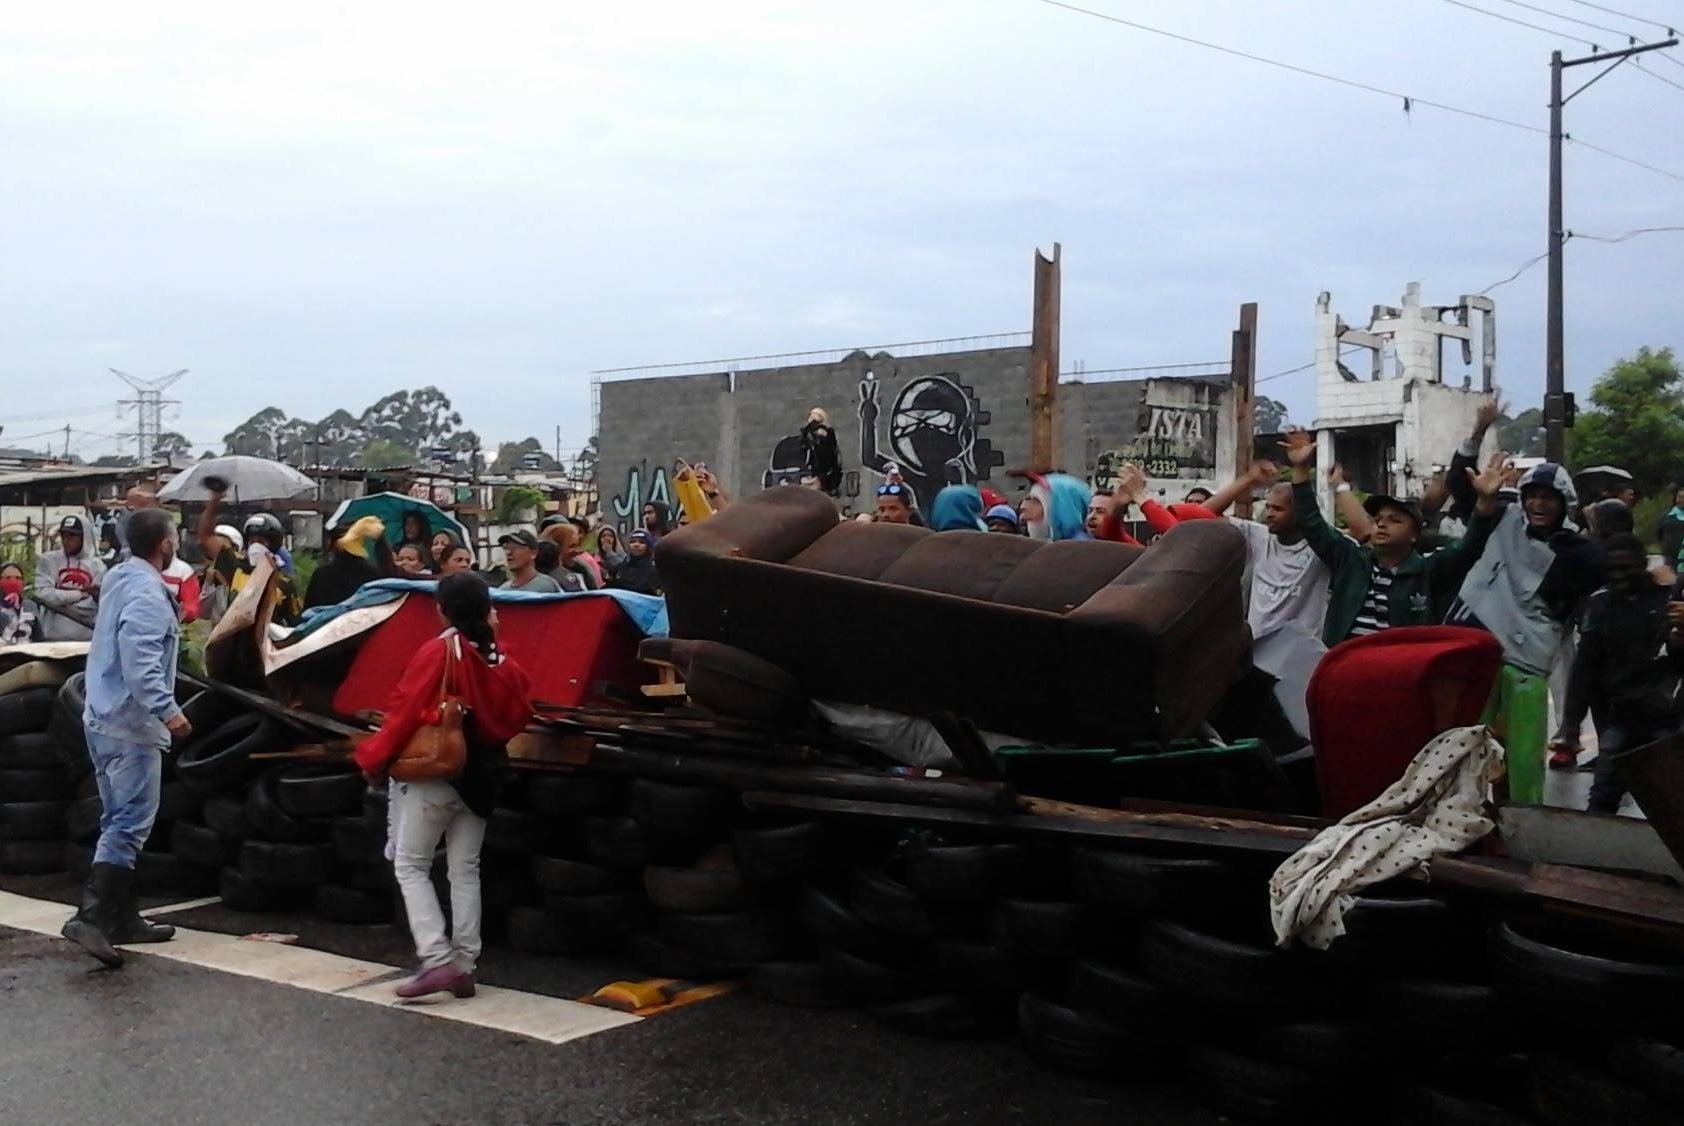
{"type": "Point", "coordinates": [439, 979]}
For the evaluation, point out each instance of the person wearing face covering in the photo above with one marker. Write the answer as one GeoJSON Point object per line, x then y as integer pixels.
{"type": "Point", "coordinates": [66, 584]}
{"type": "Point", "coordinates": [17, 623]}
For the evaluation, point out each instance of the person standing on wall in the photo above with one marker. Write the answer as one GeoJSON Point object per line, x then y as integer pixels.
{"type": "Point", "coordinates": [130, 716]}
{"type": "Point", "coordinates": [496, 694]}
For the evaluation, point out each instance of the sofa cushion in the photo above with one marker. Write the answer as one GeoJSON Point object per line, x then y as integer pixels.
{"type": "Point", "coordinates": [861, 551]}
{"type": "Point", "coordinates": [967, 564]}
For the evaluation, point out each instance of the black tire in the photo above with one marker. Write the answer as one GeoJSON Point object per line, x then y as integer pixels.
{"type": "Point", "coordinates": [1072, 1040]}
{"type": "Point", "coordinates": [806, 985]}
{"type": "Point", "coordinates": [982, 969]}
{"type": "Point", "coordinates": [376, 877]}
{"type": "Point", "coordinates": [946, 1016]}
{"type": "Point", "coordinates": [270, 822]}
{"type": "Point", "coordinates": [1424, 1015]}
{"type": "Point", "coordinates": [288, 865]}
{"type": "Point", "coordinates": [339, 904]}
{"type": "Point", "coordinates": [1221, 972]}
{"type": "Point", "coordinates": [306, 791]}
{"type": "Point", "coordinates": [871, 982]}
{"type": "Point", "coordinates": [160, 873]}
{"type": "Point", "coordinates": [696, 890]}
{"type": "Point", "coordinates": [29, 711]}
{"type": "Point", "coordinates": [514, 831]}
{"type": "Point", "coordinates": [1560, 986]}
{"type": "Point", "coordinates": [204, 846]}
{"type": "Point", "coordinates": [571, 796]}
{"type": "Point", "coordinates": [219, 762]}
{"type": "Point", "coordinates": [738, 939]}
{"type": "Point", "coordinates": [29, 751]}
{"type": "Point", "coordinates": [176, 801]}
{"type": "Point", "coordinates": [1656, 1067]}
{"type": "Point", "coordinates": [81, 819]}
{"type": "Point", "coordinates": [1154, 887]}
{"type": "Point", "coordinates": [829, 919]}
{"type": "Point", "coordinates": [86, 787]}
{"type": "Point", "coordinates": [227, 816]}
{"type": "Point", "coordinates": [620, 842]}
{"type": "Point", "coordinates": [783, 853]}
{"type": "Point", "coordinates": [78, 861]}
{"type": "Point", "coordinates": [575, 877]}
{"type": "Point", "coordinates": [31, 858]}
{"type": "Point", "coordinates": [1327, 1048]}
{"type": "Point", "coordinates": [1429, 1106]}
{"type": "Point", "coordinates": [33, 785]}
{"type": "Point", "coordinates": [243, 892]}
{"type": "Point", "coordinates": [1566, 1092]}
{"type": "Point", "coordinates": [32, 820]}
{"type": "Point", "coordinates": [890, 905]}
{"type": "Point", "coordinates": [531, 931]}
{"type": "Point", "coordinates": [674, 809]}
{"type": "Point", "coordinates": [1250, 1087]}
{"type": "Point", "coordinates": [1118, 994]}
{"type": "Point", "coordinates": [658, 958]}
{"type": "Point", "coordinates": [357, 841]}
{"type": "Point", "coordinates": [594, 922]}
{"type": "Point", "coordinates": [207, 711]}
{"type": "Point", "coordinates": [1413, 937]}
{"type": "Point", "coordinates": [1034, 926]}
{"type": "Point", "coordinates": [65, 727]}
{"type": "Point", "coordinates": [964, 873]}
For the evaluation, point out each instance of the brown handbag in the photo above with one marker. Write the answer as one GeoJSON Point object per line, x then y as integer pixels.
{"type": "Point", "coordinates": [438, 751]}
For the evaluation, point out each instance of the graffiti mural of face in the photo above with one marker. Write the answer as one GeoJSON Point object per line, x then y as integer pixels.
{"type": "Point", "coordinates": [931, 429]}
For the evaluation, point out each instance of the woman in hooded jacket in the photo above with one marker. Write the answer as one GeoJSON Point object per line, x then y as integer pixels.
{"type": "Point", "coordinates": [957, 508]}
{"type": "Point", "coordinates": [637, 574]}
{"type": "Point", "coordinates": [609, 552]}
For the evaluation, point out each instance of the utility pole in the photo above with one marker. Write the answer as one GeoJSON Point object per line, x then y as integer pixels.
{"type": "Point", "coordinates": [1555, 365]}
{"type": "Point", "coordinates": [148, 404]}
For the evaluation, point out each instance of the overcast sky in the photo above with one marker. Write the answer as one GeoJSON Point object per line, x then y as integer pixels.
{"type": "Point", "coordinates": [311, 206]}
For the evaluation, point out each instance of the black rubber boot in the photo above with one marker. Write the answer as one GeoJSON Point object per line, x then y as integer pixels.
{"type": "Point", "coordinates": [92, 926]}
{"type": "Point", "coordinates": [130, 927]}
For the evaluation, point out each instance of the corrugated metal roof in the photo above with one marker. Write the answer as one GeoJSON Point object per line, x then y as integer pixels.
{"type": "Point", "coordinates": [72, 474]}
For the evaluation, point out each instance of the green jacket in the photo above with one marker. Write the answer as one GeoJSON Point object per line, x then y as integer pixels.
{"type": "Point", "coordinates": [1422, 587]}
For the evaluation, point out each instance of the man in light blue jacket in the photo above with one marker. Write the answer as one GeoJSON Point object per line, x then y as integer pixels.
{"type": "Point", "coordinates": [130, 717]}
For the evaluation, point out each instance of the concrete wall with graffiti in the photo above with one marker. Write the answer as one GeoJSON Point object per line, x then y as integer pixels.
{"type": "Point", "coordinates": [953, 417]}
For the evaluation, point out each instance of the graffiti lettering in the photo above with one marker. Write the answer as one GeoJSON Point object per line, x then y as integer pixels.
{"type": "Point", "coordinates": [1182, 427]}
{"type": "Point", "coordinates": [628, 507]}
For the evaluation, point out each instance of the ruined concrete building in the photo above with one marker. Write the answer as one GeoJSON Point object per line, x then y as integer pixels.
{"type": "Point", "coordinates": [1386, 409]}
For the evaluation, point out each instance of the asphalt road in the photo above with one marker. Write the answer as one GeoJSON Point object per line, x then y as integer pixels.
{"type": "Point", "coordinates": [170, 1043]}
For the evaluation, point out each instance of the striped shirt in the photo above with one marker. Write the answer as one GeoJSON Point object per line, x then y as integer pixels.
{"type": "Point", "coordinates": [1376, 612]}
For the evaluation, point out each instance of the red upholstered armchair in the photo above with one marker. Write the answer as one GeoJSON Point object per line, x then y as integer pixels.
{"type": "Point", "coordinates": [1070, 641]}
{"type": "Point", "coordinates": [1375, 701]}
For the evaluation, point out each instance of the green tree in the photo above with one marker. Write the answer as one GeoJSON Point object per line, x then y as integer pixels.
{"type": "Point", "coordinates": [383, 454]}
{"type": "Point", "coordinates": [510, 455]}
{"type": "Point", "coordinates": [1269, 416]}
{"type": "Point", "coordinates": [171, 447]}
{"type": "Point", "coordinates": [1522, 435]}
{"type": "Point", "coordinates": [255, 437]}
{"type": "Point", "coordinates": [1635, 421]}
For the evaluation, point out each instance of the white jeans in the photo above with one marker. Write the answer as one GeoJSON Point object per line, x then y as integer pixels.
{"type": "Point", "coordinates": [427, 811]}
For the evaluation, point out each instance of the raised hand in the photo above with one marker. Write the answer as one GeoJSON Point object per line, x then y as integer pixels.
{"type": "Point", "coordinates": [1131, 485]}
{"type": "Point", "coordinates": [1336, 475]}
{"type": "Point", "coordinates": [1300, 447]}
{"type": "Point", "coordinates": [1265, 472]}
{"type": "Point", "coordinates": [1492, 478]}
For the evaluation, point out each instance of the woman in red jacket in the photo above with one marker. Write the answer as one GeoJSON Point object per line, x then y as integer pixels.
{"type": "Point", "coordinates": [497, 695]}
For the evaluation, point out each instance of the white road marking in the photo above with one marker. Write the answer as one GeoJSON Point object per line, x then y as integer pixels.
{"type": "Point", "coordinates": [189, 905]}
{"type": "Point", "coordinates": [553, 1020]}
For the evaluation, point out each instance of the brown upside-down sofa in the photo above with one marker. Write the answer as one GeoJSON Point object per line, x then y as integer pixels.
{"type": "Point", "coordinates": [1059, 642]}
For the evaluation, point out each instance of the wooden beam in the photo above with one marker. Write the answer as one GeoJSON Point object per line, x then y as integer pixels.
{"type": "Point", "coordinates": [1242, 392]}
{"type": "Point", "coordinates": [1043, 361]}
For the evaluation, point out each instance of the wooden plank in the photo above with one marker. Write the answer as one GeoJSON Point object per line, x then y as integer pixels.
{"type": "Point", "coordinates": [1043, 360]}
{"type": "Point", "coordinates": [740, 774]}
{"type": "Point", "coordinates": [261, 703]}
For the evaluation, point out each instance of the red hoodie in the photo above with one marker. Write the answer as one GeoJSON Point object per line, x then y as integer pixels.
{"type": "Point", "coordinates": [1163, 519]}
{"type": "Point", "coordinates": [498, 695]}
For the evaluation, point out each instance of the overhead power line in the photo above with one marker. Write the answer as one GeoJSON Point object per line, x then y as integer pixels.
{"type": "Point", "coordinates": [1409, 101]}
{"type": "Point", "coordinates": [1669, 28]}
{"type": "Point", "coordinates": [1522, 23]}
{"type": "Point", "coordinates": [1571, 19]}
{"type": "Point", "coordinates": [1657, 77]}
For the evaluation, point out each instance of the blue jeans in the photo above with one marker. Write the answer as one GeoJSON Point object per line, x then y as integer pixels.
{"type": "Point", "coordinates": [130, 777]}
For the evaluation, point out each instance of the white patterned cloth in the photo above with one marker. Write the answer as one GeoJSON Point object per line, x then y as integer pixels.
{"type": "Point", "coordinates": [1436, 809]}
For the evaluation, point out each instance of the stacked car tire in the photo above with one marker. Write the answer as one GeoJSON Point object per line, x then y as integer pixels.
{"type": "Point", "coordinates": [36, 782]}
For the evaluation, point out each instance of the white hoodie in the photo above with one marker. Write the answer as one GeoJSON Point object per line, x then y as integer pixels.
{"type": "Point", "coordinates": [66, 583]}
